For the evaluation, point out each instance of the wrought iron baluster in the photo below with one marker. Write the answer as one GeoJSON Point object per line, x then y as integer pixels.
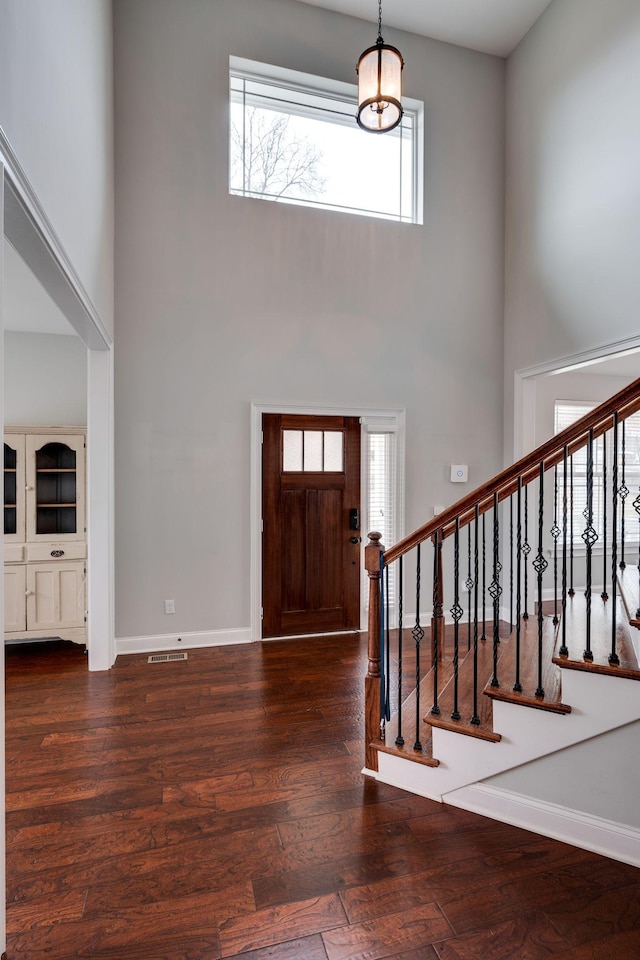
{"type": "Point", "coordinates": [435, 622]}
{"type": "Point", "coordinates": [613, 656]}
{"type": "Point", "coordinates": [517, 686]}
{"type": "Point", "coordinates": [604, 594]}
{"type": "Point", "coordinates": [510, 563]}
{"type": "Point", "coordinates": [540, 565]}
{"type": "Point", "coordinates": [589, 536]}
{"type": "Point", "coordinates": [526, 549]}
{"type": "Point", "coordinates": [495, 590]}
{"type": "Point", "coordinates": [563, 651]}
{"type": "Point", "coordinates": [555, 533]}
{"type": "Point", "coordinates": [400, 738]}
{"type": "Point", "coordinates": [475, 718]}
{"type": "Point", "coordinates": [636, 504]}
{"type": "Point", "coordinates": [571, 590]}
{"type": "Point", "coordinates": [418, 636]}
{"type": "Point", "coordinates": [623, 492]}
{"type": "Point", "coordinates": [469, 583]}
{"type": "Point", "coordinates": [484, 579]}
{"type": "Point", "coordinates": [456, 613]}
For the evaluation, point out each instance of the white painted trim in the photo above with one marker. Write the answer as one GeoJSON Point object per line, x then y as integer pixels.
{"type": "Point", "coordinates": [615, 840]}
{"type": "Point", "coordinates": [524, 389]}
{"type": "Point", "coordinates": [3, 873]}
{"type": "Point", "coordinates": [182, 641]}
{"type": "Point", "coordinates": [100, 510]}
{"type": "Point", "coordinates": [256, 410]}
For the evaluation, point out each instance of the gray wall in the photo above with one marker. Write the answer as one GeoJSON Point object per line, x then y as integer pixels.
{"type": "Point", "coordinates": [572, 185]}
{"type": "Point", "coordinates": [56, 108]}
{"type": "Point", "coordinates": [223, 300]}
{"type": "Point", "coordinates": [45, 379]}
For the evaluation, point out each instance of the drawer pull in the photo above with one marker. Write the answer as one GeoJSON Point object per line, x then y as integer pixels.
{"type": "Point", "coordinates": [57, 553]}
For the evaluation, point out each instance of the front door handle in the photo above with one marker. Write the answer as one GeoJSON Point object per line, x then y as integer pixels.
{"type": "Point", "coordinates": [355, 539]}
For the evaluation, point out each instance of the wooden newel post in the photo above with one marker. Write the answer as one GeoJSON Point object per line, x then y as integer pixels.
{"type": "Point", "coordinates": [372, 553]}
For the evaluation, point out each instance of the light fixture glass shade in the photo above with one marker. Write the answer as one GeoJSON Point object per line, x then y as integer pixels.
{"type": "Point", "coordinates": [380, 88]}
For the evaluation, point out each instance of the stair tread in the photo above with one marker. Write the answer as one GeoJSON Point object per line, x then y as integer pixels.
{"type": "Point", "coordinates": [540, 692]}
{"type": "Point", "coordinates": [601, 639]}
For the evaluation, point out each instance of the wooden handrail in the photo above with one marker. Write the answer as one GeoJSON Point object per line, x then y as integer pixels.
{"type": "Point", "coordinates": [625, 403]}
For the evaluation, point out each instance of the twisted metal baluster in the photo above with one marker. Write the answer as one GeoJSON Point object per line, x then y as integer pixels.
{"type": "Point", "coordinates": [526, 549]}
{"type": "Point", "coordinates": [604, 594]}
{"type": "Point", "coordinates": [613, 656]}
{"type": "Point", "coordinates": [540, 565]}
{"type": "Point", "coordinates": [564, 651]}
{"type": "Point", "coordinates": [400, 738]}
{"type": "Point", "coordinates": [456, 613]}
{"type": "Point", "coordinates": [495, 590]}
{"type": "Point", "coordinates": [555, 533]}
{"type": "Point", "coordinates": [623, 492]}
{"type": "Point", "coordinates": [418, 636]}
{"type": "Point", "coordinates": [475, 718]}
{"type": "Point", "coordinates": [571, 590]}
{"type": "Point", "coordinates": [469, 583]}
{"type": "Point", "coordinates": [435, 639]}
{"type": "Point", "coordinates": [589, 536]}
{"type": "Point", "coordinates": [517, 686]}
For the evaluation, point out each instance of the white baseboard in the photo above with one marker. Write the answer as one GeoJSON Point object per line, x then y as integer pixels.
{"type": "Point", "coordinates": [615, 840]}
{"type": "Point", "coordinates": [182, 641]}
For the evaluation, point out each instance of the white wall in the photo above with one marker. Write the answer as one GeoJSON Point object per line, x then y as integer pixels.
{"type": "Point", "coordinates": [223, 300]}
{"type": "Point", "coordinates": [572, 185]}
{"type": "Point", "coordinates": [56, 108]}
{"type": "Point", "coordinates": [45, 379]}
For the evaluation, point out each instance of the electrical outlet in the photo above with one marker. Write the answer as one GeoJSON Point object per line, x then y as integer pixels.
{"type": "Point", "coordinates": [169, 606]}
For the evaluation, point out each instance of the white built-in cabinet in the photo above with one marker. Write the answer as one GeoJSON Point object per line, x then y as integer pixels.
{"type": "Point", "coordinates": [45, 537]}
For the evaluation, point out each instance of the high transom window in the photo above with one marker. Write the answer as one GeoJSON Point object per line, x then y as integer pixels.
{"type": "Point", "coordinates": [293, 138]}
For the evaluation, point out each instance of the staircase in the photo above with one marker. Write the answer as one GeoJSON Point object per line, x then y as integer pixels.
{"type": "Point", "coordinates": [530, 639]}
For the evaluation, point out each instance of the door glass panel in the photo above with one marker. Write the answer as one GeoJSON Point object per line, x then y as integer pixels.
{"type": "Point", "coordinates": [333, 451]}
{"type": "Point", "coordinates": [292, 450]}
{"type": "Point", "coordinates": [313, 450]}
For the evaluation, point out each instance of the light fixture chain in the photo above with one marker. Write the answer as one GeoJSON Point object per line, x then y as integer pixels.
{"type": "Point", "coordinates": [380, 20]}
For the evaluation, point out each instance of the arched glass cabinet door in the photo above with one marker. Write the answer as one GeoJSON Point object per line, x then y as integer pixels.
{"type": "Point", "coordinates": [14, 491]}
{"type": "Point", "coordinates": [55, 488]}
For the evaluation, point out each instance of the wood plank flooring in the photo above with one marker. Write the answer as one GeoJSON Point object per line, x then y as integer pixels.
{"type": "Point", "coordinates": [215, 808]}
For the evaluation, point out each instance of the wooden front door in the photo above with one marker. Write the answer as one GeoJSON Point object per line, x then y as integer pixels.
{"type": "Point", "coordinates": [311, 524]}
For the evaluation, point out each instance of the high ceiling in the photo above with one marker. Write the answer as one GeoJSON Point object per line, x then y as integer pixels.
{"type": "Point", "coordinates": [491, 26]}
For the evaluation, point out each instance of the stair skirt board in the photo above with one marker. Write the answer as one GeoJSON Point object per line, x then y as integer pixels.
{"type": "Point", "coordinates": [598, 703]}
{"type": "Point", "coordinates": [615, 840]}
{"type": "Point", "coordinates": [181, 641]}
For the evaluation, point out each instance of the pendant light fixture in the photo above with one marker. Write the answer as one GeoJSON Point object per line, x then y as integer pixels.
{"type": "Point", "coordinates": [380, 85]}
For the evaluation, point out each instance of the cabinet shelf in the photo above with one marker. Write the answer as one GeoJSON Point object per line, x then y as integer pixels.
{"type": "Point", "coordinates": [54, 505]}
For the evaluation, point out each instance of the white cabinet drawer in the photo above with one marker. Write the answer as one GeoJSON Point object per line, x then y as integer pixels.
{"type": "Point", "coordinates": [56, 551]}
{"type": "Point", "coordinates": [13, 552]}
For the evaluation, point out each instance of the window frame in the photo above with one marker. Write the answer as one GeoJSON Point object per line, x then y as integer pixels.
{"type": "Point", "coordinates": [304, 85]}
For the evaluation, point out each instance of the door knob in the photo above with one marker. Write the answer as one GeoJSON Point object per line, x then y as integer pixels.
{"type": "Point", "coordinates": [355, 539]}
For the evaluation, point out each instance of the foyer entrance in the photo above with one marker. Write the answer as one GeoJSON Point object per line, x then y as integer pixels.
{"type": "Point", "coordinates": [311, 537]}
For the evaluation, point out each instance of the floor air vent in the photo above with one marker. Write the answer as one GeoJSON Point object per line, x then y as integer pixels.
{"type": "Point", "coordinates": [166, 657]}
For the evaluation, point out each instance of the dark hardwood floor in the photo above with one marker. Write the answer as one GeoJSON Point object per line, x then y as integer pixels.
{"type": "Point", "coordinates": [216, 808]}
